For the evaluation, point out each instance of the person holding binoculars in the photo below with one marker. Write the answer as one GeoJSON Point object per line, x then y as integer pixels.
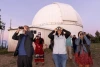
{"type": "Point", "coordinates": [24, 49]}
{"type": "Point", "coordinates": [83, 53]}
{"type": "Point", "coordinates": [59, 36]}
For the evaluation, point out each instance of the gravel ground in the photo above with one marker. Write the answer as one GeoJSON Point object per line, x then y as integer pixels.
{"type": "Point", "coordinates": [8, 60]}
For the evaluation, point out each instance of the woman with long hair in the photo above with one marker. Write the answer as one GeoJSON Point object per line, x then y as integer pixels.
{"type": "Point", "coordinates": [59, 49]}
{"type": "Point", "coordinates": [83, 53]}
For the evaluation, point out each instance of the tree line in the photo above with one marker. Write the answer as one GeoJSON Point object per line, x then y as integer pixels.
{"type": "Point", "coordinates": [96, 38]}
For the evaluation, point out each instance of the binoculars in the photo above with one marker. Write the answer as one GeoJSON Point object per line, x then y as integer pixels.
{"type": "Point", "coordinates": [21, 27]}
{"type": "Point", "coordinates": [33, 31]}
{"type": "Point", "coordinates": [58, 28]}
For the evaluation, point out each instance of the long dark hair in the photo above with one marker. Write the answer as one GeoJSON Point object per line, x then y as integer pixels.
{"type": "Point", "coordinates": [79, 33]}
{"type": "Point", "coordinates": [62, 33]}
{"type": "Point", "coordinates": [85, 44]}
{"type": "Point", "coordinates": [80, 43]}
{"type": "Point", "coordinates": [84, 41]}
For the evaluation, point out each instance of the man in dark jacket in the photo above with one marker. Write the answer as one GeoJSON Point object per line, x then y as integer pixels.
{"type": "Point", "coordinates": [24, 48]}
{"type": "Point", "coordinates": [74, 45]}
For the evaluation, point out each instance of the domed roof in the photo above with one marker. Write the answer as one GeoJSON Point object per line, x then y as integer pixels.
{"type": "Point", "coordinates": [56, 13]}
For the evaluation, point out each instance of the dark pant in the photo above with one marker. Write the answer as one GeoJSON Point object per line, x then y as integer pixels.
{"type": "Point", "coordinates": [24, 61]}
{"type": "Point", "coordinates": [74, 47]}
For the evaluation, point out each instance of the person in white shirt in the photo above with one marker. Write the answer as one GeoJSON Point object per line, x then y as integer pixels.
{"type": "Point", "coordinates": [59, 49]}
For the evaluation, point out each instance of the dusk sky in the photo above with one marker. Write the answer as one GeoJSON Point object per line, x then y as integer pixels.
{"type": "Point", "coordinates": [22, 12]}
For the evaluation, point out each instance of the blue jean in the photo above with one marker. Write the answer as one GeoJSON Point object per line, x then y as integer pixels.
{"type": "Point", "coordinates": [60, 60]}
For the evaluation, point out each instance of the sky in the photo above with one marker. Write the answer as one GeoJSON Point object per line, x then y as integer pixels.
{"type": "Point", "coordinates": [22, 12]}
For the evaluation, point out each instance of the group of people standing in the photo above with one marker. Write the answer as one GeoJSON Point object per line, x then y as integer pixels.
{"type": "Point", "coordinates": [61, 45]}
{"type": "Point", "coordinates": [63, 42]}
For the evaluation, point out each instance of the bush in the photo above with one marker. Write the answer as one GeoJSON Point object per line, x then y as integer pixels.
{"type": "Point", "coordinates": [97, 40]}
{"type": "Point", "coordinates": [3, 51]}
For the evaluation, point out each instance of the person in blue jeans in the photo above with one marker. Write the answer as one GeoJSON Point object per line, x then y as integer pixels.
{"type": "Point", "coordinates": [59, 36]}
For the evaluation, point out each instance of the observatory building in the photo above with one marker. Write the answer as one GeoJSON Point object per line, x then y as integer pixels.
{"type": "Point", "coordinates": [50, 17]}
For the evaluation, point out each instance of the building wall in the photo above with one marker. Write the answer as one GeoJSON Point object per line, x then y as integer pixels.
{"type": "Point", "coordinates": [74, 29]}
{"type": "Point", "coordinates": [13, 43]}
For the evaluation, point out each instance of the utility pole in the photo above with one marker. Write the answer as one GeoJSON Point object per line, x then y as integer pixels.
{"type": "Point", "coordinates": [10, 23]}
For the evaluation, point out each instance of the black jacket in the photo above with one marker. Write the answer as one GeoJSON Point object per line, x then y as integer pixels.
{"type": "Point", "coordinates": [28, 43]}
{"type": "Point", "coordinates": [67, 34]}
{"type": "Point", "coordinates": [88, 37]}
{"type": "Point", "coordinates": [73, 39]}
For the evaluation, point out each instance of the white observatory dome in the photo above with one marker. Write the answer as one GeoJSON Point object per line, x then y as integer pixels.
{"type": "Point", "coordinates": [58, 14]}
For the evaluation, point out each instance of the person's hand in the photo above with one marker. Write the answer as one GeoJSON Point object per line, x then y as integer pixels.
{"type": "Point", "coordinates": [18, 30]}
{"type": "Point", "coordinates": [71, 36]}
{"type": "Point", "coordinates": [55, 29]}
{"type": "Point", "coordinates": [35, 37]}
{"type": "Point", "coordinates": [61, 28]}
{"type": "Point", "coordinates": [26, 29]}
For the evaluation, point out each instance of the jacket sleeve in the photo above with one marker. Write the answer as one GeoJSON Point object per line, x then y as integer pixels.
{"type": "Point", "coordinates": [51, 36]}
{"type": "Point", "coordinates": [87, 40]}
{"type": "Point", "coordinates": [34, 39]}
{"type": "Point", "coordinates": [30, 34]}
{"type": "Point", "coordinates": [88, 36]}
{"type": "Point", "coordinates": [67, 33]}
{"type": "Point", "coordinates": [15, 36]}
{"type": "Point", "coordinates": [77, 41]}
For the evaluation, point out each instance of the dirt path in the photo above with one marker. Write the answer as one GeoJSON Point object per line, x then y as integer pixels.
{"type": "Point", "coordinates": [9, 61]}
